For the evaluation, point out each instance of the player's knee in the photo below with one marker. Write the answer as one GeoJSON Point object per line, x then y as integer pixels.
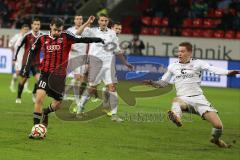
{"type": "Point", "coordinates": [111, 88]}
{"type": "Point", "coordinates": [218, 125]}
{"type": "Point", "coordinates": [180, 102]}
{"type": "Point", "coordinates": [39, 100]}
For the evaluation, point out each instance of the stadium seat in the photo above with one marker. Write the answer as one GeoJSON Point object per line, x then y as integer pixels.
{"type": "Point", "coordinates": [218, 13]}
{"type": "Point", "coordinates": [197, 22]}
{"type": "Point", "coordinates": [156, 21]}
{"type": "Point", "coordinates": [155, 31]}
{"type": "Point", "coordinates": [217, 22]}
{"type": "Point", "coordinates": [208, 33]}
{"type": "Point", "coordinates": [218, 34]}
{"type": "Point", "coordinates": [197, 33]}
{"type": "Point", "coordinates": [229, 34]}
{"type": "Point", "coordinates": [165, 21]}
{"type": "Point", "coordinates": [145, 31]}
{"type": "Point", "coordinates": [187, 22]}
{"type": "Point", "coordinates": [208, 23]}
{"type": "Point", "coordinates": [186, 32]}
{"type": "Point", "coordinates": [146, 20]}
{"type": "Point", "coordinates": [238, 35]}
{"type": "Point", "coordinates": [127, 30]}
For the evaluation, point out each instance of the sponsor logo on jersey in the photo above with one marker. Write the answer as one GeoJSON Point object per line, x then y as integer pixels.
{"type": "Point", "coordinates": [54, 47]}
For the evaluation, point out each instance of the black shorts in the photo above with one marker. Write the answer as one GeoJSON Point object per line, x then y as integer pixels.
{"type": "Point", "coordinates": [34, 69]}
{"type": "Point", "coordinates": [54, 85]}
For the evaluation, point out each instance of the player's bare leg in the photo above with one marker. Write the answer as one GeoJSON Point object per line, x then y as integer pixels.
{"type": "Point", "coordinates": [213, 118]}
{"type": "Point", "coordinates": [175, 113]}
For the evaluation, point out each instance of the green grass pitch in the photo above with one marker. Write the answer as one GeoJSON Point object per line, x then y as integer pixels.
{"type": "Point", "coordinates": [102, 139]}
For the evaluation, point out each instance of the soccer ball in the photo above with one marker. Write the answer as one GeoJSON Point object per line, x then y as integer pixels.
{"type": "Point", "coordinates": [39, 131]}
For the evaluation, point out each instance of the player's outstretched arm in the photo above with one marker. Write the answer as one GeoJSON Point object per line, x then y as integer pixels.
{"type": "Point", "coordinates": [233, 72]}
{"type": "Point", "coordinates": [89, 40]}
{"type": "Point", "coordinates": [86, 24]}
{"type": "Point", "coordinates": [124, 61]}
{"type": "Point", "coordinates": [156, 84]}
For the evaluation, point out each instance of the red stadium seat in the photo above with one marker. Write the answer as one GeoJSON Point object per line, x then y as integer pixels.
{"type": "Point", "coordinates": [197, 33]}
{"type": "Point", "coordinates": [218, 13]}
{"type": "Point", "coordinates": [165, 22]}
{"type": "Point", "coordinates": [186, 32]}
{"type": "Point", "coordinates": [156, 21]}
{"type": "Point", "coordinates": [208, 33]}
{"type": "Point", "coordinates": [187, 22]}
{"type": "Point", "coordinates": [155, 31]}
{"type": "Point", "coordinates": [229, 34]}
{"type": "Point", "coordinates": [197, 22]}
{"type": "Point", "coordinates": [218, 34]}
{"type": "Point", "coordinates": [238, 35]}
{"type": "Point", "coordinates": [208, 23]}
{"type": "Point", "coordinates": [217, 22]}
{"type": "Point", "coordinates": [147, 20]}
{"type": "Point", "coordinates": [127, 30]}
{"type": "Point", "coordinates": [145, 31]}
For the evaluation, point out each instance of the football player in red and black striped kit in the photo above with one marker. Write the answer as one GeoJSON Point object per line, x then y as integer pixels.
{"type": "Point", "coordinates": [55, 46]}
{"type": "Point", "coordinates": [27, 41]}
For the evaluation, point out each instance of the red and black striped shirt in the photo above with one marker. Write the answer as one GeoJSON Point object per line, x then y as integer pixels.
{"type": "Point", "coordinates": [28, 39]}
{"type": "Point", "coordinates": [56, 51]}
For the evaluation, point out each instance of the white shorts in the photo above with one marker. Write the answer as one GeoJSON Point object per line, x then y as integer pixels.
{"type": "Point", "coordinates": [78, 64]}
{"type": "Point", "coordinates": [99, 72]}
{"type": "Point", "coordinates": [198, 104]}
{"type": "Point", "coordinates": [18, 64]}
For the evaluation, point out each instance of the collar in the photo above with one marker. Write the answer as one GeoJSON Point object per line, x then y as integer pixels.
{"type": "Point", "coordinates": [103, 30]}
{"type": "Point", "coordinates": [38, 33]}
{"type": "Point", "coordinates": [49, 34]}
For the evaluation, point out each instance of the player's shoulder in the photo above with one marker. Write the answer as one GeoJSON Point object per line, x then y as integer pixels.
{"type": "Point", "coordinates": [67, 32]}
{"type": "Point", "coordinates": [197, 61]}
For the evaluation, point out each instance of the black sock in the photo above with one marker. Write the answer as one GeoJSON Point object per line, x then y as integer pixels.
{"type": "Point", "coordinates": [48, 110]}
{"type": "Point", "coordinates": [82, 88]}
{"type": "Point", "coordinates": [37, 118]}
{"type": "Point", "coordinates": [20, 89]}
{"type": "Point", "coordinates": [34, 89]}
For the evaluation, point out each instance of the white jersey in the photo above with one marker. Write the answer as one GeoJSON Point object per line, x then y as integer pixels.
{"type": "Point", "coordinates": [77, 48]}
{"type": "Point", "coordinates": [14, 42]}
{"type": "Point", "coordinates": [187, 77]}
{"type": "Point", "coordinates": [104, 52]}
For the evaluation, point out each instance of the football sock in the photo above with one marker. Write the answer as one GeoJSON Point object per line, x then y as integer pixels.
{"type": "Point", "coordinates": [83, 86]}
{"type": "Point", "coordinates": [34, 89]}
{"type": "Point", "coordinates": [105, 97]}
{"type": "Point", "coordinates": [83, 100]}
{"type": "Point", "coordinates": [14, 79]}
{"type": "Point", "coordinates": [48, 110]}
{"type": "Point", "coordinates": [216, 133]}
{"type": "Point", "coordinates": [26, 85]}
{"type": "Point", "coordinates": [113, 101]}
{"type": "Point", "coordinates": [177, 109]}
{"type": "Point", "coordinates": [20, 89]}
{"type": "Point", "coordinates": [37, 118]}
{"type": "Point", "coordinates": [76, 90]}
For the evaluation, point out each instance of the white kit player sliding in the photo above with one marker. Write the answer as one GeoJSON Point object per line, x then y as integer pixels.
{"type": "Point", "coordinates": [13, 44]}
{"type": "Point", "coordinates": [186, 74]}
{"type": "Point", "coordinates": [78, 51]}
{"type": "Point", "coordinates": [101, 63]}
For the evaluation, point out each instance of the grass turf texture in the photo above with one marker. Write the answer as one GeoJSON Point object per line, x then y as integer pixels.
{"type": "Point", "coordinates": [104, 139]}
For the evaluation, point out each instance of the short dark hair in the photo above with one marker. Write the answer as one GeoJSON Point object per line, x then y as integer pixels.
{"type": "Point", "coordinates": [187, 45]}
{"type": "Point", "coordinates": [35, 19]}
{"type": "Point", "coordinates": [24, 25]}
{"type": "Point", "coordinates": [57, 21]}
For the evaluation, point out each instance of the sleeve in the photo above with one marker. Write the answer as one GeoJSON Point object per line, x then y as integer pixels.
{"type": "Point", "coordinates": [117, 50]}
{"type": "Point", "coordinates": [212, 69]}
{"type": "Point", "coordinates": [36, 46]}
{"type": "Point", "coordinates": [167, 75]}
{"type": "Point", "coordinates": [12, 41]}
{"type": "Point", "coordinates": [19, 47]}
{"type": "Point", "coordinates": [87, 32]}
{"type": "Point", "coordinates": [75, 39]}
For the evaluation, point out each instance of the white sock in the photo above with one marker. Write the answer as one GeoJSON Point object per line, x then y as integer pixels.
{"type": "Point", "coordinates": [84, 98]}
{"type": "Point", "coordinates": [177, 109]}
{"type": "Point", "coordinates": [216, 133]}
{"type": "Point", "coordinates": [113, 100]}
{"type": "Point", "coordinates": [76, 88]}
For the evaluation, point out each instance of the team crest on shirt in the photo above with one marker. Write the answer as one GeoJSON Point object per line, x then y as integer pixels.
{"type": "Point", "coordinates": [59, 40]}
